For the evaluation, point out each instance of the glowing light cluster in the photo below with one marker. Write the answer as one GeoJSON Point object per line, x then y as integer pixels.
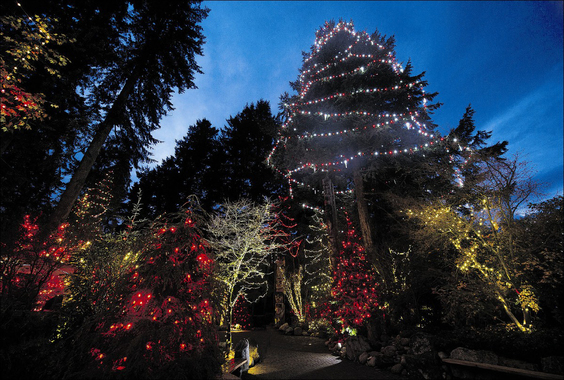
{"type": "Point", "coordinates": [354, 291]}
{"type": "Point", "coordinates": [352, 93]}
{"type": "Point", "coordinates": [365, 63]}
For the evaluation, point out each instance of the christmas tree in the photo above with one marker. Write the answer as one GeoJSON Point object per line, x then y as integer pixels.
{"type": "Point", "coordinates": [353, 295]}
{"type": "Point", "coordinates": [139, 303]}
{"type": "Point", "coordinates": [355, 107]}
{"type": "Point", "coordinates": [242, 314]}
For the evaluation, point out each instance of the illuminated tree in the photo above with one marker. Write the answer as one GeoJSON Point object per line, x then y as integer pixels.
{"type": "Point", "coordinates": [139, 304]}
{"type": "Point", "coordinates": [28, 265]}
{"type": "Point", "coordinates": [32, 269]}
{"type": "Point", "coordinates": [242, 314]}
{"type": "Point", "coordinates": [483, 237]}
{"type": "Point", "coordinates": [356, 109]}
{"type": "Point", "coordinates": [244, 237]}
{"type": "Point", "coordinates": [317, 265]}
{"type": "Point", "coordinates": [27, 44]}
{"type": "Point", "coordinates": [353, 294]}
{"type": "Point", "coordinates": [292, 284]}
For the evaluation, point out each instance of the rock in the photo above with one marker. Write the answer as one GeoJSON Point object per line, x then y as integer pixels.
{"type": "Point", "coordinates": [298, 331]}
{"type": "Point", "coordinates": [343, 353]}
{"type": "Point", "coordinates": [553, 364]}
{"type": "Point", "coordinates": [397, 369]}
{"type": "Point", "coordinates": [389, 351]}
{"type": "Point", "coordinates": [289, 330]}
{"type": "Point", "coordinates": [305, 333]}
{"type": "Point", "coordinates": [404, 341]}
{"type": "Point", "coordinates": [402, 360]}
{"type": "Point", "coordinates": [384, 339]}
{"type": "Point", "coordinates": [371, 362]}
{"type": "Point", "coordinates": [242, 351]}
{"type": "Point", "coordinates": [420, 343]}
{"type": "Point", "coordinates": [356, 345]}
{"type": "Point", "coordinates": [423, 366]}
{"type": "Point", "coordinates": [442, 355]}
{"type": "Point", "coordinates": [284, 327]}
{"type": "Point", "coordinates": [479, 356]}
{"type": "Point", "coordinates": [382, 361]}
{"type": "Point", "coordinates": [363, 358]}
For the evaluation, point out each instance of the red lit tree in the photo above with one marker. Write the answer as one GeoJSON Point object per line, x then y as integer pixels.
{"type": "Point", "coordinates": [353, 295]}
{"type": "Point", "coordinates": [140, 304]}
{"type": "Point", "coordinates": [28, 264]}
{"type": "Point", "coordinates": [242, 313]}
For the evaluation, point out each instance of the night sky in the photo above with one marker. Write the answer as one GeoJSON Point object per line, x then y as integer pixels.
{"type": "Point", "coordinates": [504, 58]}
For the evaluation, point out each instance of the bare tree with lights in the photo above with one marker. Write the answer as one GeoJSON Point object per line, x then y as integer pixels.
{"type": "Point", "coordinates": [244, 236]}
{"type": "Point", "coordinates": [483, 237]}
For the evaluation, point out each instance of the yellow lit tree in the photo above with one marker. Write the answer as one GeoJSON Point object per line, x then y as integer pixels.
{"type": "Point", "coordinates": [483, 236]}
{"type": "Point", "coordinates": [243, 237]}
{"type": "Point", "coordinates": [292, 283]}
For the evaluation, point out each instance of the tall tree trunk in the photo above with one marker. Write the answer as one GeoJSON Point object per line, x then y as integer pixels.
{"type": "Point", "coordinates": [331, 218]}
{"type": "Point", "coordinates": [364, 219]}
{"type": "Point", "coordinates": [75, 185]}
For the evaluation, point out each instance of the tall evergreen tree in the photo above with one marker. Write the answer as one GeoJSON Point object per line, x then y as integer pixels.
{"type": "Point", "coordinates": [193, 170]}
{"type": "Point", "coordinates": [36, 159]}
{"type": "Point", "coordinates": [355, 107]}
{"type": "Point", "coordinates": [157, 56]}
{"type": "Point", "coordinates": [245, 142]}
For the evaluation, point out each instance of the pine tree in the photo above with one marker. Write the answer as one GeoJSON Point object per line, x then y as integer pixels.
{"type": "Point", "coordinates": [156, 57]}
{"type": "Point", "coordinates": [245, 142]}
{"type": "Point", "coordinates": [193, 170]}
{"type": "Point", "coordinates": [355, 107]}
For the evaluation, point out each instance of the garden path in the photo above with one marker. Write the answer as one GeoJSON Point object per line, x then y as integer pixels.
{"type": "Point", "coordinates": [302, 357]}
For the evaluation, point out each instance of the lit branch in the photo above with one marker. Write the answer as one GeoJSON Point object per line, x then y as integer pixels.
{"type": "Point", "coordinates": [243, 236]}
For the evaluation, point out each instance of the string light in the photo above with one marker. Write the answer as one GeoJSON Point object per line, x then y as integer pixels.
{"type": "Point", "coordinates": [365, 62]}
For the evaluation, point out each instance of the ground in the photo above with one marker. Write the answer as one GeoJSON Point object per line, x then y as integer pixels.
{"type": "Point", "coordinates": [302, 357]}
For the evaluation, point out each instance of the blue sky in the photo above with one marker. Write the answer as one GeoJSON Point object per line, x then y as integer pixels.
{"type": "Point", "coordinates": [502, 57]}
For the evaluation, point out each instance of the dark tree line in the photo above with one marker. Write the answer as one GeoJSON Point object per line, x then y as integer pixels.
{"type": "Point", "coordinates": [125, 61]}
{"type": "Point", "coordinates": [214, 165]}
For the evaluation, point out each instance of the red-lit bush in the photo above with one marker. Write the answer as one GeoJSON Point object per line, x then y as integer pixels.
{"type": "Point", "coordinates": [139, 305]}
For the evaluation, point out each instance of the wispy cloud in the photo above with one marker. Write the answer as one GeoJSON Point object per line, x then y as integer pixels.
{"type": "Point", "coordinates": [533, 124]}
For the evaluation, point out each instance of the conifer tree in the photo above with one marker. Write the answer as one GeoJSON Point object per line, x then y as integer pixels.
{"type": "Point", "coordinates": [156, 56]}
{"type": "Point", "coordinates": [353, 295]}
{"type": "Point", "coordinates": [139, 304]}
{"type": "Point", "coordinates": [355, 106]}
{"type": "Point", "coordinates": [245, 142]}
